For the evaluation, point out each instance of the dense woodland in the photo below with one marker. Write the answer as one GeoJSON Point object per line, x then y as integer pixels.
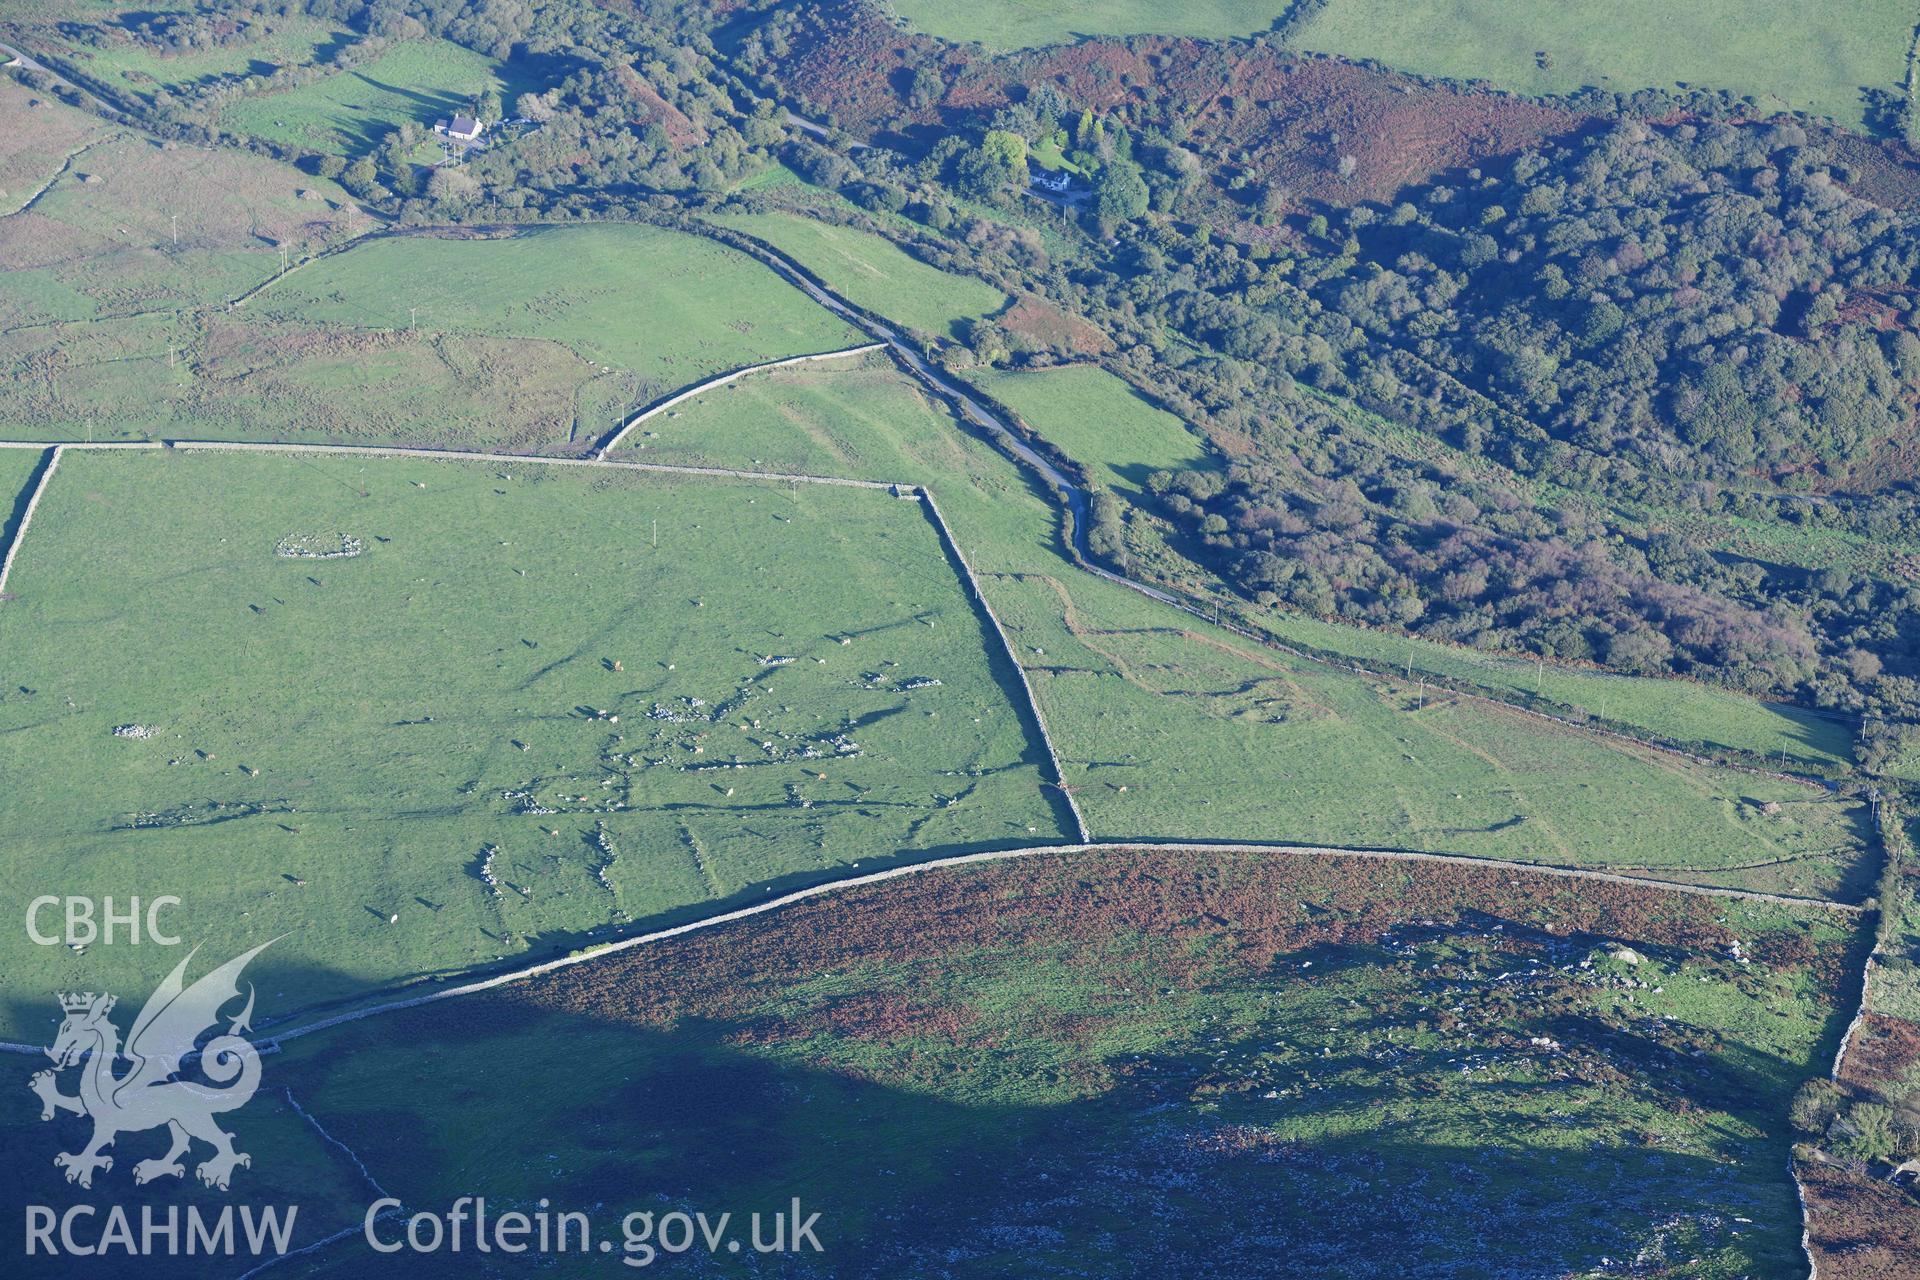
{"type": "Point", "coordinates": [1517, 406]}
{"type": "Point", "coordinates": [1608, 344]}
{"type": "Point", "coordinates": [1611, 342]}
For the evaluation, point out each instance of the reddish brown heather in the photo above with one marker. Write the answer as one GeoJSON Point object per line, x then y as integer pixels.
{"type": "Point", "coordinates": [651, 108]}
{"type": "Point", "coordinates": [1860, 1228]}
{"type": "Point", "coordinates": [1882, 1051]}
{"type": "Point", "coordinates": [1095, 906]}
{"type": "Point", "coordinates": [1250, 105]}
{"type": "Point", "coordinates": [1884, 172]}
{"type": "Point", "coordinates": [1044, 325]}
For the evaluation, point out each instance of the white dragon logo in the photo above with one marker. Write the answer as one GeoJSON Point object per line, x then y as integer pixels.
{"type": "Point", "coordinates": [149, 1095]}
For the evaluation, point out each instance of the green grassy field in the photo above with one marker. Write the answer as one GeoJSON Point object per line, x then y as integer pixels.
{"type": "Point", "coordinates": [1099, 421]}
{"type": "Point", "coordinates": [800, 683]}
{"type": "Point", "coordinates": [349, 114]}
{"type": "Point", "coordinates": [497, 355]}
{"type": "Point", "coordinates": [1026, 24]}
{"type": "Point", "coordinates": [1364, 1068]}
{"type": "Point", "coordinates": [662, 308]}
{"type": "Point", "coordinates": [846, 419]}
{"type": "Point", "coordinates": [1814, 58]}
{"type": "Point", "coordinates": [873, 272]}
{"type": "Point", "coordinates": [1170, 728]}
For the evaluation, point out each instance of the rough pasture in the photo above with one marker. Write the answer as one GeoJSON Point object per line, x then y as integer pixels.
{"type": "Point", "coordinates": [1171, 728]}
{"type": "Point", "coordinates": [436, 342]}
{"type": "Point", "coordinates": [1352, 1067]}
{"type": "Point", "coordinates": [312, 694]}
{"type": "Point", "coordinates": [663, 308]}
{"type": "Point", "coordinates": [41, 134]}
{"type": "Point", "coordinates": [136, 226]}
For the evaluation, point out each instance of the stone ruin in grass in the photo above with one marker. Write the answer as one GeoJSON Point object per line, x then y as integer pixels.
{"type": "Point", "coordinates": [303, 546]}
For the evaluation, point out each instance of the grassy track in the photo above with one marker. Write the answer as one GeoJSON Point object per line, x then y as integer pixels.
{"type": "Point", "coordinates": [1316, 1030]}
{"type": "Point", "coordinates": [373, 725]}
{"type": "Point", "coordinates": [1100, 422]}
{"type": "Point", "coordinates": [351, 112]}
{"type": "Point", "coordinates": [1813, 58]}
{"type": "Point", "coordinates": [873, 272]}
{"type": "Point", "coordinates": [1676, 709]}
{"type": "Point", "coordinates": [1201, 734]}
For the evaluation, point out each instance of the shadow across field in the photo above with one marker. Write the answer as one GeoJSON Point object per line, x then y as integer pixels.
{"type": "Point", "coordinates": [554, 944]}
{"type": "Point", "coordinates": [13, 507]}
{"type": "Point", "coordinates": [1138, 1177]}
{"type": "Point", "coordinates": [1048, 1070]}
{"type": "Point", "coordinates": [293, 1164]}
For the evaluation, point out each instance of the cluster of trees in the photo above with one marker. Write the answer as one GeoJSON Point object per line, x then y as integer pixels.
{"type": "Point", "coordinates": [996, 167]}
{"type": "Point", "coordinates": [1425, 548]}
{"type": "Point", "coordinates": [1619, 345]}
{"type": "Point", "coordinates": [636, 111]}
{"type": "Point", "coordinates": [1695, 301]}
{"type": "Point", "coordinates": [1858, 1130]}
{"type": "Point", "coordinates": [167, 33]}
{"type": "Point", "coordinates": [641, 113]}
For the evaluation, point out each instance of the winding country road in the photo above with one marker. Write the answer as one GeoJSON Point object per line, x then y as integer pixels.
{"type": "Point", "coordinates": [967, 402]}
